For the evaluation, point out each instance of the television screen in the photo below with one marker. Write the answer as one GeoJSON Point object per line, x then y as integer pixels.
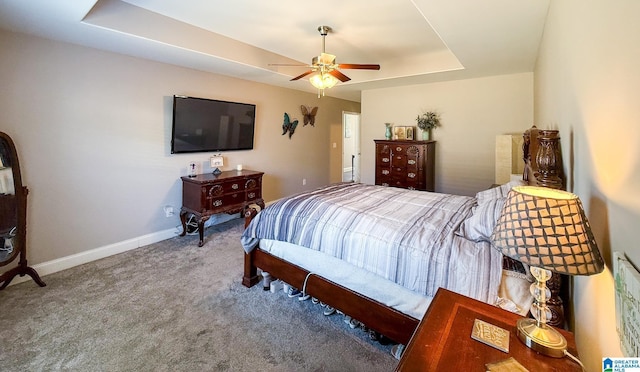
{"type": "Point", "coordinates": [206, 125]}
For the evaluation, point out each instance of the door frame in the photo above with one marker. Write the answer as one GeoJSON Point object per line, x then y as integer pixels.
{"type": "Point", "coordinates": [351, 142]}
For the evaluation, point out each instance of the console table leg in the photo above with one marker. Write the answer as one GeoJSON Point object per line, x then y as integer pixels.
{"type": "Point", "coordinates": [201, 230]}
{"type": "Point", "coordinates": [183, 219]}
{"type": "Point", "coordinates": [201, 233]}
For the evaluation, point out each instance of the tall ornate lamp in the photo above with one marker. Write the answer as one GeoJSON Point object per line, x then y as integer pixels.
{"type": "Point", "coordinates": [548, 230]}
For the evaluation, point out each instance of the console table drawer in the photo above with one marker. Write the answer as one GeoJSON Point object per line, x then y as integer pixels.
{"type": "Point", "coordinates": [253, 195]}
{"type": "Point", "coordinates": [222, 203]}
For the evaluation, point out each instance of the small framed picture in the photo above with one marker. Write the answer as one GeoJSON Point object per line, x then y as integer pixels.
{"type": "Point", "coordinates": [410, 132]}
{"type": "Point", "coordinates": [216, 161]}
{"type": "Point", "coordinates": [399, 133]}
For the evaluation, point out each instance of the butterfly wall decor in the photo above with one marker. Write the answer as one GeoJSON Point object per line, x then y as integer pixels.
{"type": "Point", "coordinates": [309, 115]}
{"type": "Point", "coordinates": [288, 125]}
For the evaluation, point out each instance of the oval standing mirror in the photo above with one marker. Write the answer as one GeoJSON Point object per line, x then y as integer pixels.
{"type": "Point", "coordinates": [13, 215]}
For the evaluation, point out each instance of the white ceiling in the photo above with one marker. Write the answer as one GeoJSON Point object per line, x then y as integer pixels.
{"type": "Point", "coordinates": [414, 41]}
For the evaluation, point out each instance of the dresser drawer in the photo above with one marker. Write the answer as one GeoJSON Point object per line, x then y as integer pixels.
{"type": "Point", "coordinates": [253, 183]}
{"type": "Point", "coordinates": [254, 194]}
{"type": "Point", "coordinates": [383, 172]}
{"type": "Point", "coordinates": [383, 160]}
{"type": "Point", "coordinates": [225, 201]}
{"type": "Point", "coordinates": [399, 160]}
{"type": "Point", "coordinates": [214, 190]}
{"type": "Point", "coordinates": [398, 171]}
{"type": "Point", "coordinates": [383, 149]}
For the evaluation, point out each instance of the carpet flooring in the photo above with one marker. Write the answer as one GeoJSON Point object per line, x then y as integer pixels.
{"type": "Point", "coordinates": [172, 306]}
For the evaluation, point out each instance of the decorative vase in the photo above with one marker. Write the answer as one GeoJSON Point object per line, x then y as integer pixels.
{"type": "Point", "coordinates": [426, 134]}
{"type": "Point", "coordinates": [387, 133]}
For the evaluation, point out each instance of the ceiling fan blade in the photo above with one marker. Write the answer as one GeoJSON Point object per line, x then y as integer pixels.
{"type": "Point", "coordinates": [339, 75]}
{"type": "Point", "coordinates": [302, 75]}
{"type": "Point", "coordinates": [356, 66]}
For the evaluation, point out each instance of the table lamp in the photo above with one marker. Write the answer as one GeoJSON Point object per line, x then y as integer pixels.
{"type": "Point", "coordinates": [548, 230]}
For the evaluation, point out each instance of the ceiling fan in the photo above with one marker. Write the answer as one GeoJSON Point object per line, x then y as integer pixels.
{"type": "Point", "coordinates": [326, 67]}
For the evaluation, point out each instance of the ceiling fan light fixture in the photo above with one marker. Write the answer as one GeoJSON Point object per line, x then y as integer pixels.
{"type": "Point", "coordinates": [325, 72]}
{"type": "Point", "coordinates": [323, 81]}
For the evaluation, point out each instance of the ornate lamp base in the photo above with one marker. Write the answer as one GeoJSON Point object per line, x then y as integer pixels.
{"type": "Point", "coordinates": [541, 338]}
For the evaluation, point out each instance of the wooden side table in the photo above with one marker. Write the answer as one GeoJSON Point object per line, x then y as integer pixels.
{"type": "Point", "coordinates": [228, 192]}
{"type": "Point", "coordinates": [442, 341]}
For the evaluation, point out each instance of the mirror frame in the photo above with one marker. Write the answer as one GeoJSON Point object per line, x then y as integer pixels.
{"type": "Point", "coordinates": [19, 244]}
{"type": "Point", "coordinates": [17, 186]}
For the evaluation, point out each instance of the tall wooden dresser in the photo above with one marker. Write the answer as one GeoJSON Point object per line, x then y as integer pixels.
{"type": "Point", "coordinates": [406, 164]}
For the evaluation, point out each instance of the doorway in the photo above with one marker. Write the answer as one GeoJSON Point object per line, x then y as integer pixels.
{"type": "Point", "coordinates": [350, 146]}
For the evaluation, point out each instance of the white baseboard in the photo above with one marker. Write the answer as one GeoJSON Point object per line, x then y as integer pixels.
{"type": "Point", "coordinates": [77, 259]}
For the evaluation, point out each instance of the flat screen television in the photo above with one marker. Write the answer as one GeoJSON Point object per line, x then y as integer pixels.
{"type": "Point", "coordinates": [207, 125]}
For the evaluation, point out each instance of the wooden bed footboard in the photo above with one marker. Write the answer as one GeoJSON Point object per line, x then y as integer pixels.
{"type": "Point", "coordinates": [389, 322]}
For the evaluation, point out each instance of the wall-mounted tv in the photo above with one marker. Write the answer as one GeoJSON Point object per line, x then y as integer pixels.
{"type": "Point", "coordinates": [207, 125]}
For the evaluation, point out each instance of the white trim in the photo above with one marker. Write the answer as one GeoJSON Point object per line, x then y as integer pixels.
{"type": "Point", "coordinates": [81, 258]}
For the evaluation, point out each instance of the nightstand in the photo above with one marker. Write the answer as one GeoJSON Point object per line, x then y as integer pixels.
{"type": "Point", "coordinates": [442, 341]}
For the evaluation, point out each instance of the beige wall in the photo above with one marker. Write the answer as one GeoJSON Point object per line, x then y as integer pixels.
{"type": "Point", "coordinates": [473, 112]}
{"type": "Point", "coordinates": [93, 130]}
{"type": "Point", "coordinates": [588, 85]}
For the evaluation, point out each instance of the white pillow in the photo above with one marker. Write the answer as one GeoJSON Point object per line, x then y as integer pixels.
{"type": "Point", "coordinates": [501, 191]}
{"type": "Point", "coordinates": [485, 215]}
{"type": "Point", "coordinates": [480, 225]}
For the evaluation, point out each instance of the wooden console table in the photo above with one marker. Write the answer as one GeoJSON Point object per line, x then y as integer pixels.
{"type": "Point", "coordinates": [228, 192]}
{"type": "Point", "coordinates": [442, 341]}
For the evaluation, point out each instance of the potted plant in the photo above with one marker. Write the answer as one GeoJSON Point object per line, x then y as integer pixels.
{"type": "Point", "coordinates": [426, 122]}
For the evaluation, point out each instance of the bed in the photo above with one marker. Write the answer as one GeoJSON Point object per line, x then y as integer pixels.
{"type": "Point", "coordinates": [379, 254]}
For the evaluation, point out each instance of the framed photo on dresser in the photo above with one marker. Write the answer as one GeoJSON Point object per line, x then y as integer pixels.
{"type": "Point", "coordinates": [399, 133]}
{"type": "Point", "coordinates": [410, 132]}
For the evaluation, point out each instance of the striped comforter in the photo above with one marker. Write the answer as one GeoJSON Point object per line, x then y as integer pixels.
{"type": "Point", "coordinates": [405, 236]}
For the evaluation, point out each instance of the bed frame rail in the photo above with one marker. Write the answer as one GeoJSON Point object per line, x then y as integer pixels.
{"type": "Point", "coordinates": [391, 323]}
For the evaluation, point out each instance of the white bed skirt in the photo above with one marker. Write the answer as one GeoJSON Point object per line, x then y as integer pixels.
{"type": "Point", "coordinates": [380, 289]}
